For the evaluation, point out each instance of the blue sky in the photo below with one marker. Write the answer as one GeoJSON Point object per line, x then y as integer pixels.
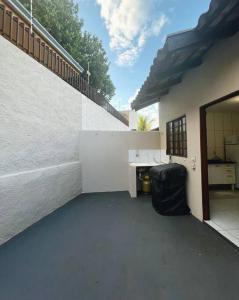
{"type": "Point", "coordinates": [132, 31]}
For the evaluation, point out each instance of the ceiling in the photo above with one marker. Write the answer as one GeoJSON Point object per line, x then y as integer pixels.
{"type": "Point", "coordinates": [231, 105]}
{"type": "Point", "coordinates": [185, 50]}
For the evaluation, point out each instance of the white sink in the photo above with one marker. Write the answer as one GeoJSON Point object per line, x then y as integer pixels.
{"type": "Point", "coordinates": [145, 164]}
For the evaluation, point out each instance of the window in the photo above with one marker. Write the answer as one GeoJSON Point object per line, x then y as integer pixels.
{"type": "Point", "coordinates": [177, 137]}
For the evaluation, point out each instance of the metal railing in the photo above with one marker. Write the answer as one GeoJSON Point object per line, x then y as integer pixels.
{"type": "Point", "coordinates": [15, 26]}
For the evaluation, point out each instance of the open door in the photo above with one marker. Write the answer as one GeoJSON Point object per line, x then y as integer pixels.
{"type": "Point", "coordinates": [204, 166]}
{"type": "Point", "coordinates": [219, 137]}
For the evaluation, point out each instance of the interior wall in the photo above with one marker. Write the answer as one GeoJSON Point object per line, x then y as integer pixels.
{"type": "Point", "coordinates": [219, 126]}
{"type": "Point", "coordinates": [105, 158]}
{"type": "Point", "coordinates": [216, 77]}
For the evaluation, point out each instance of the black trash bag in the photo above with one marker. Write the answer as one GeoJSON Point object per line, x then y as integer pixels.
{"type": "Point", "coordinates": [169, 189]}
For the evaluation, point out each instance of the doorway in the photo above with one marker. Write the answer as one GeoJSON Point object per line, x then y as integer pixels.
{"type": "Point", "coordinates": [219, 121]}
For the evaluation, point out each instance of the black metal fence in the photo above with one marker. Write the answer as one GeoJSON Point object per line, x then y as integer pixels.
{"type": "Point", "coordinates": [15, 29]}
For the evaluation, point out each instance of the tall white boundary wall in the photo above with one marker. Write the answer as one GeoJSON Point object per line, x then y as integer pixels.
{"type": "Point", "coordinates": [41, 118]}
{"type": "Point", "coordinates": [105, 158]}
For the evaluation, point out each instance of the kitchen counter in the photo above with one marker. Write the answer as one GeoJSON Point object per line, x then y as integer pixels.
{"type": "Point", "coordinates": [149, 164]}
{"type": "Point", "coordinates": [222, 173]}
{"type": "Point", "coordinates": [221, 162]}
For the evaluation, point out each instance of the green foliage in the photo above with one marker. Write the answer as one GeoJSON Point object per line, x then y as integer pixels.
{"type": "Point", "coordinates": [60, 18]}
{"type": "Point", "coordinates": [144, 124]}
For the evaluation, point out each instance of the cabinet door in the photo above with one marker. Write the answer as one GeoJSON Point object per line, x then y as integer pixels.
{"type": "Point", "coordinates": [229, 174]}
{"type": "Point", "coordinates": [216, 174]}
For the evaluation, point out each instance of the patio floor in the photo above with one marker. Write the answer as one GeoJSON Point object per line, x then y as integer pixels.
{"type": "Point", "coordinates": [110, 247]}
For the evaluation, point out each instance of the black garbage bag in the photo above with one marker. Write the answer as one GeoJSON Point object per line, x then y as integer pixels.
{"type": "Point", "coordinates": [169, 189]}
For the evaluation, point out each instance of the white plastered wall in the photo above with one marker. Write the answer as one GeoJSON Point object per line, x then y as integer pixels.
{"type": "Point", "coordinates": [216, 77]}
{"type": "Point", "coordinates": [95, 117]}
{"type": "Point", "coordinates": [105, 157]}
{"type": "Point", "coordinates": [41, 118]}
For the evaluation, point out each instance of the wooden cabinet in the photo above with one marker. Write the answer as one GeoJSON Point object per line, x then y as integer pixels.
{"type": "Point", "coordinates": [222, 174]}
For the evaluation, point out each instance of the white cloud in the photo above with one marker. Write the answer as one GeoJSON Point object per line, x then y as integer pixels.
{"type": "Point", "coordinates": [157, 25]}
{"type": "Point", "coordinates": [130, 23]}
{"type": "Point", "coordinates": [128, 57]}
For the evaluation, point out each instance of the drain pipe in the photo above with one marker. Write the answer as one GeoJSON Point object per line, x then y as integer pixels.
{"type": "Point", "coordinates": [31, 16]}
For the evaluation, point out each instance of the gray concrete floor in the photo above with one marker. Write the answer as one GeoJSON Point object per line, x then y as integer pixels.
{"type": "Point", "coordinates": [110, 247]}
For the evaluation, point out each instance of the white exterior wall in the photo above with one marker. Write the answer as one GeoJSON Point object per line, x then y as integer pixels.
{"type": "Point", "coordinates": [105, 158]}
{"type": "Point", "coordinates": [133, 119]}
{"type": "Point", "coordinates": [95, 117]}
{"type": "Point", "coordinates": [41, 119]}
{"type": "Point", "coordinates": [39, 139]}
{"type": "Point", "coordinates": [216, 77]}
{"type": "Point", "coordinates": [26, 197]}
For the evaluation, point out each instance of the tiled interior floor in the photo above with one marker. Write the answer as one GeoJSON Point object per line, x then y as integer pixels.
{"type": "Point", "coordinates": [224, 211]}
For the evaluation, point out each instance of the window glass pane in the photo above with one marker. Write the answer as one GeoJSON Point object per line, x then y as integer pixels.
{"type": "Point", "coordinates": [177, 137]}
